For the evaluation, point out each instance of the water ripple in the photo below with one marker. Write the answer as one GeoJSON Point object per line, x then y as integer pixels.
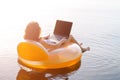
{"type": "Point", "coordinates": [103, 59]}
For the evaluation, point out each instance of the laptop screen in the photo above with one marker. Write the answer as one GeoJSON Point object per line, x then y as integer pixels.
{"type": "Point", "coordinates": [63, 28]}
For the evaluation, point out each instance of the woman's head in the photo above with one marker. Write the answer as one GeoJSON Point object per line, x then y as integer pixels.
{"type": "Point", "coordinates": [32, 31]}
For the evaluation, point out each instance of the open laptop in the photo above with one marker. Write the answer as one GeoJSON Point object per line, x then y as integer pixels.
{"type": "Point", "coordinates": [62, 29]}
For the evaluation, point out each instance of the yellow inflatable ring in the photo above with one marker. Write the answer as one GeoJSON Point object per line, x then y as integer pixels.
{"type": "Point", "coordinates": [33, 55]}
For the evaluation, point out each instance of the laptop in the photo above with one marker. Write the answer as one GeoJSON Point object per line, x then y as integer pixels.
{"type": "Point", "coordinates": [62, 29]}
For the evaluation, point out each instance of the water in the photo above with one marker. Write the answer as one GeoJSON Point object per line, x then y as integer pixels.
{"type": "Point", "coordinates": [96, 26]}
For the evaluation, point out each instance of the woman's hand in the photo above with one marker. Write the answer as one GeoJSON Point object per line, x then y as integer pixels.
{"type": "Point", "coordinates": [47, 37]}
{"type": "Point", "coordinates": [62, 42]}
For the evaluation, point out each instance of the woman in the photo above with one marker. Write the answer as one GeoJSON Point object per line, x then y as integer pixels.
{"type": "Point", "coordinates": [33, 31]}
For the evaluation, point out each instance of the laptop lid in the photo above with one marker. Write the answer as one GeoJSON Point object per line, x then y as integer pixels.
{"type": "Point", "coordinates": [62, 28]}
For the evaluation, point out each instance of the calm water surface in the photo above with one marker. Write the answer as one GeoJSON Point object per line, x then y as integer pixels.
{"type": "Point", "coordinates": [99, 29]}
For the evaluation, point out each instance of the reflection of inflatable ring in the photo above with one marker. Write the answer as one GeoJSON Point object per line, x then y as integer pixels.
{"type": "Point", "coordinates": [34, 55]}
{"type": "Point", "coordinates": [49, 74]}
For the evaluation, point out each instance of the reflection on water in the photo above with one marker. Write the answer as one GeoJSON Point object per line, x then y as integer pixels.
{"type": "Point", "coordinates": [49, 74]}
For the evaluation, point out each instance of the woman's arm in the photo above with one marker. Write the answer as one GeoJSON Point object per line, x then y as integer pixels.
{"type": "Point", "coordinates": [50, 46]}
{"type": "Point", "coordinates": [46, 37]}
